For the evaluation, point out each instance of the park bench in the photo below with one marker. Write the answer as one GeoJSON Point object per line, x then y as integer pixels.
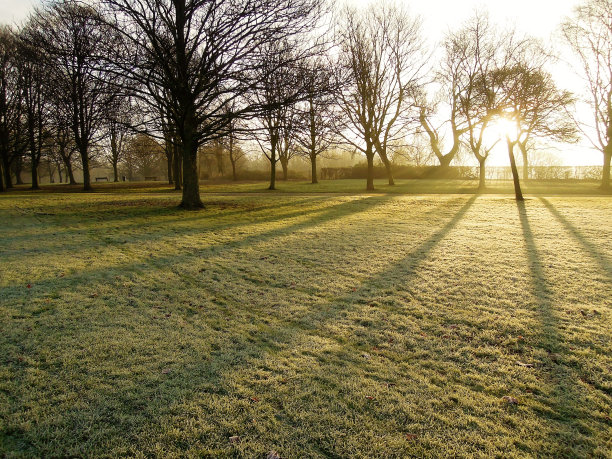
{"type": "Point", "coordinates": [101, 179]}
{"type": "Point", "coordinates": [151, 179]}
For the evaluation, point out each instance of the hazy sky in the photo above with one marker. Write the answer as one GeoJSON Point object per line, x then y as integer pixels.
{"type": "Point", "coordinates": [12, 11]}
{"type": "Point", "coordinates": [539, 18]}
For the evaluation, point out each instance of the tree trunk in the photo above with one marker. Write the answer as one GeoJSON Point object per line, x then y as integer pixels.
{"type": "Point", "coordinates": [481, 175]}
{"type": "Point", "coordinates": [18, 170]}
{"type": "Point", "coordinates": [370, 178]}
{"type": "Point", "coordinates": [84, 151]}
{"type": "Point", "coordinates": [389, 173]}
{"type": "Point", "coordinates": [445, 161]}
{"type": "Point", "coordinates": [523, 149]}
{"type": "Point", "coordinates": [285, 165]}
{"type": "Point", "coordinates": [234, 176]}
{"type": "Point", "coordinates": [34, 173]}
{"type": "Point", "coordinates": [515, 175]}
{"type": "Point", "coordinates": [605, 178]}
{"type": "Point", "coordinates": [387, 163]}
{"type": "Point", "coordinates": [191, 181]}
{"type": "Point", "coordinates": [115, 172]}
{"type": "Point", "coordinates": [68, 165]}
{"type": "Point", "coordinates": [51, 174]}
{"type": "Point", "coordinates": [272, 173]}
{"type": "Point", "coordinates": [6, 168]}
{"type": "Point", "coordinates": [219, 160]}
{"type": "Point", "coordinates": [2, 187]}
{"type": "Point", "coordinates": [169, 158]}
{"type": "Point", "coordinates": [313, 167]}
{"type": "Point", "coordinates": [177, 169]}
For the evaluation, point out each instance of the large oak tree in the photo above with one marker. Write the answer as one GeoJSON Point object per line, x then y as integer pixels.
{"type": "Point", "coordinates": [205, 55]}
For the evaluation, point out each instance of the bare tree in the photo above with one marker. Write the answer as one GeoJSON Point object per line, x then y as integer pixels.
{"type": "Point", "coordinates": [234, 151]}
{"type": "Point", "coordinates": [589, 34]}
{"type": "Point", "coordinates": [453, 78]}
{"type": "Point", "coordinates": [288, 145]}
{"type": "Point", "coordinates": [34, 84]}
{"type": "Point", "coordinates": [528, 98]}
{"type": "Point", "coordinates": [74, 39]}
{"type": "Point", "coordinates": [117, 125]}
{"type": "Point", "coordinates": [142, 156]}
{"type": "Point", "coordinates": [316, 124]}
{"type": "Point", "coordinates": [281, 88]}
{"type": "Point", "coordinates": [12, 139]}
{"type": "Point", "coordinates": [64, 147]}
{"type": "Point", "coordinates": [378, 72]}
{"type": "Point", "coordinates": [472, 52]}
{"type": "Point", "coordinates": [205, 54]}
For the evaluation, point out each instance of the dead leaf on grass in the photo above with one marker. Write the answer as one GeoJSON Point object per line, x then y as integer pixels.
{"type": "Point", "coordinates": [510, 400]}
{"type": "Point", "coordinates": [525, 365]}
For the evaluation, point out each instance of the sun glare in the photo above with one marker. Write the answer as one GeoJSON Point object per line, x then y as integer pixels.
{"type": "Point", "coordinates": [499, 130]}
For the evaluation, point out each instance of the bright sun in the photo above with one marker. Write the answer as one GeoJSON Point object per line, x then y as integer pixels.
{"type": "Point", "coordinates": [499, 130]}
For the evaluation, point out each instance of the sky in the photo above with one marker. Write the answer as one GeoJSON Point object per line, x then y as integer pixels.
{"type": "Point", "coordinates": [14, 11]}
{"type": "Point", "coordinates": [538, 18]}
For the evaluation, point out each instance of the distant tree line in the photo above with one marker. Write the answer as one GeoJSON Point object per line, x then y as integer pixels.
{"type": "Point", "coordinates": [120, 80]}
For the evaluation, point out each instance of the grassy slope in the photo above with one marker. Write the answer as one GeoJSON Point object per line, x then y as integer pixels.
{"type": "Point", "coordinates": [313, 326]}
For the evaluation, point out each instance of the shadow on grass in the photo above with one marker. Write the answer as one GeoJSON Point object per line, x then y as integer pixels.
{"type": "Point", "coordinates": [129, 411]}
{"type": "Point", "coordinates": [566, 399]}
{"type": "Point", "coordinates": [164, 221]}
{"type": "Point", "coordinates": [600, 258]}
{"type": "Point", "coordinates": [325, 215]}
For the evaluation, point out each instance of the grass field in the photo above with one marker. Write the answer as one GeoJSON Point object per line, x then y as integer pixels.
{"type": "Point", "coordinates": [382, 325]}
{"type": "Point", "coordinates": [420, 187]}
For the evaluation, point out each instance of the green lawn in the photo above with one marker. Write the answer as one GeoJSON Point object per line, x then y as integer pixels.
{"type": "Point", "coordinates": [547, 188]}
{"type": "Point", "coordinates": [420, 187]}
{"type": "Point", "coordinates": [382, 325]}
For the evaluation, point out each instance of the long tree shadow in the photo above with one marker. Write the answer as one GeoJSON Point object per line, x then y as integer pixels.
{"type": "Point", "coordinates": [155, 231]}
{"type": "Point", "coordinates": [565, 398]}
{"type": "Point", "coordinates": [402, 270]}
{"type": "Point", "coordinates": [165, 216]}
{"type": "Point", "coordinates": [237, 351]}
{"type": "Point", "coordinates": [600, 258]}
{"type": "Point", "coordinates": [83, 277]}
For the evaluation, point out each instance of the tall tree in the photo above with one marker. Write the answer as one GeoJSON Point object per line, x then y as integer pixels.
{"type": "Point", "coordinates": [528, 99]}
{"type": "Point", "coordinates": [316, 128]}
{"type": "Point", "coordinates": [472, 52]}
{"type": "Point", "coordinates": [278, 93]}
{"type": "Point", "coordinates": [34, 84]}
{"type": "Point", "coordinates": [11, 106]}
{"type": "Point", "coordinates": [205, 54]}
{"type": "Point", "coordinates": [589, 34]}
{"type": "Point", "coordinates": [234, 151]}
{"type": "Point", "coordinates": [378, 73]}
{"type": "Point", "coordinates": [75, 40]}
{"type": "Point", "coordinates": [63, 144]}
{"type": "Point", "coordinates": [117, 125]}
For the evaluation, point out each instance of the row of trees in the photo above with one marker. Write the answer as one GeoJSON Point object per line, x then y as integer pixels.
{"type": "Point", "coordinates": [206, 76]}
